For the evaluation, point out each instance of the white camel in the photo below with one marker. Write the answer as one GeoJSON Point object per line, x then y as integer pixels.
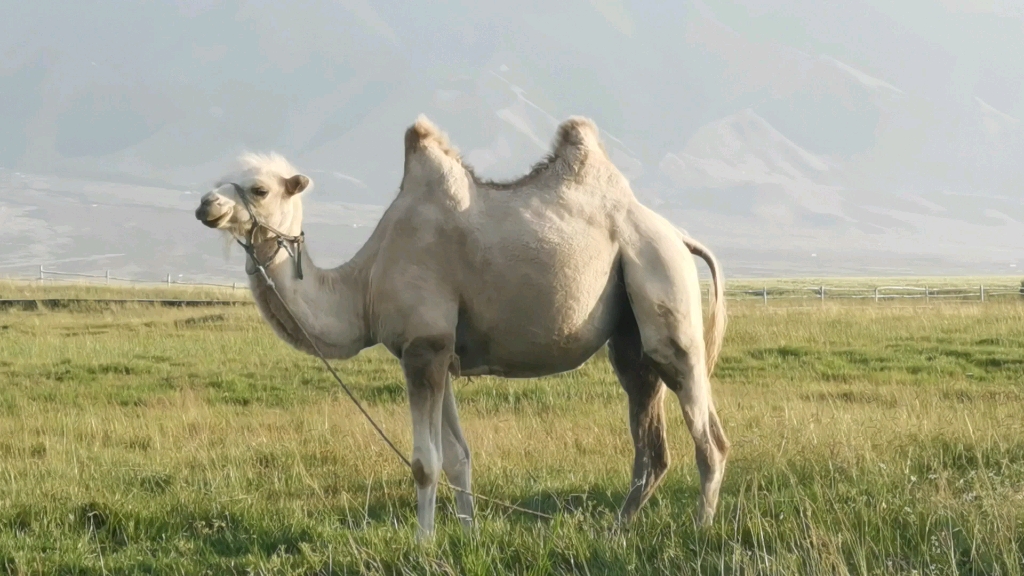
{"type": "Point", "coordinates": [517, 279]}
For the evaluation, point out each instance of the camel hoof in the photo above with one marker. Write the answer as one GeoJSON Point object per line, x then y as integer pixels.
{"type": "Point", "coordinates": [424, 537]}
{"type": "Point", "coordinates": [705, 519]}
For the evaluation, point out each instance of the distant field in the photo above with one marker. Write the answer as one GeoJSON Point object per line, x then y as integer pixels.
{"type": "Point", "coordinates": [866, 440]}
{"type": "Point", "coordinates": [18, 289]}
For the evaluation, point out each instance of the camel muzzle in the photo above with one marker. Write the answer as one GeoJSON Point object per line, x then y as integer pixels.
{"type": "Point", "coordinates": [204, 216]}
{"type": "Point", "coordinates": [211, 211]}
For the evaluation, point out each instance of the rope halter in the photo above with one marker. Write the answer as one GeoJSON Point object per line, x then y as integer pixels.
{"type": "Point", "coordinates": [291, 244]}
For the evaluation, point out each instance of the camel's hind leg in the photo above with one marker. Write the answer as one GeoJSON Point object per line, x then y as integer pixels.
{"type": "Point", "coordinates": [646, 415]}
{"type": "Point", "coordinates": [690, 383]}
{"type": "Point", "coordinates": [662, 284]}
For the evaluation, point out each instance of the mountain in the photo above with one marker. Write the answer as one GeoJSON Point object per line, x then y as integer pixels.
{"type": "Point", "coordinates": [740, 173]}
{"type": "Point", "coordinates": [881, 137]}
{"type": "Point", "coordinates": [744, 165]}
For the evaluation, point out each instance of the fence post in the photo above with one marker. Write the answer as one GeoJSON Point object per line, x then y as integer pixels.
{"type": "Point", "coordinates": [168, 279]}
{"type": "Point", "coordinates": [40, 272]}
{"type": "Point", "coordinates": [764, 292]}
{"type": "Point", "coordinates": [876, 294]}
{"type": "Point", "coordinates": [823, 294]}
{"type": "Point", "coordinates": [232, 285]}
{"type": "Point", "coordinates": [106, 276]}
{"type": "Point", "coordinates": [927, 293]}
{"type": "Point", "coordinates": [981, 291]}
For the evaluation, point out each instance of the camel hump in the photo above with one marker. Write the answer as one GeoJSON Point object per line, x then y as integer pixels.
{"type": "Point", "coordinates": [577, 132]}
{"type": "Point", "coordinates": [577, 144]}
{"type": "Point", "coordinates": [432, 166]}
{"type": "Point", "coordinates": [425, 134]}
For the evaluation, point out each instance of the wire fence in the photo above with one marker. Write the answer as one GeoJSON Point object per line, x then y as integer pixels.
{"type": "Point", "coordinates": [107, 278]}
{"type": "Point", "coordinates": [978, 293]}
{"type": "Point", "coordinates": [766, 293]}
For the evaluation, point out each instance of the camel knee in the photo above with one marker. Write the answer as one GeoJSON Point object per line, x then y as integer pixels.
{"type": "Point", "coordinates": [425, 470]}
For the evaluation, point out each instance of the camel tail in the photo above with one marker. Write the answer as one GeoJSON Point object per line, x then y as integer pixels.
{"type": "Point", "coordinates": [714, 332]}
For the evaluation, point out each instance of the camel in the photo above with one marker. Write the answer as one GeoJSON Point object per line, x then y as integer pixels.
{"type": "Point", "coordinates": [518, 279]}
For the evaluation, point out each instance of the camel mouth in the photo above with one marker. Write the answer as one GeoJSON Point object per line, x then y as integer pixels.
{"type": "Point", "coordinates": [216, 222]}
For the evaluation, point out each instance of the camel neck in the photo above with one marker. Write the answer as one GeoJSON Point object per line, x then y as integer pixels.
{"type": "Point", "coordinates": [329, 304]}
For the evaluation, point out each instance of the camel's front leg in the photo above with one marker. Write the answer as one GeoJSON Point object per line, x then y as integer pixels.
{"type": "Point", "coordinates": [425, 361]}
{"type": "Point", "coordinates": [456, 460]}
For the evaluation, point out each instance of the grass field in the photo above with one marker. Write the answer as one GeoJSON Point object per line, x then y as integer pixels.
{"type": "Point", "coordinates": [867, 439]}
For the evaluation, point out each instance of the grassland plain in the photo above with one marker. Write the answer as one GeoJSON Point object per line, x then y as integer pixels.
{"type": "Point", "coordinates": [867, 439]}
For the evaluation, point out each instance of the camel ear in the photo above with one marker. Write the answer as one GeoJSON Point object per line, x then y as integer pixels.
{"type": "Point", "coordinates": [295, 184]}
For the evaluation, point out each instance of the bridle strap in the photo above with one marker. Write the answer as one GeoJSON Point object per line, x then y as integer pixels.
{"type": "Point", "coordinates": [283, 241]}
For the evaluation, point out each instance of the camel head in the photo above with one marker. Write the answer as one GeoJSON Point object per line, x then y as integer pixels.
{"type": "Point", "coordinates": [270, 185]}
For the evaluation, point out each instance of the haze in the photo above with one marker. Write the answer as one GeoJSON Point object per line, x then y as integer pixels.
{"type": "Point", "coordinates": [793, 137]}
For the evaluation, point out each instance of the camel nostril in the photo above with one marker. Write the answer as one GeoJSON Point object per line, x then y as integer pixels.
{"type": "Point", "coordinates": [210, 198]}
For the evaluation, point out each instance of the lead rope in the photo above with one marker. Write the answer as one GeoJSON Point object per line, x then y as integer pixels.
{"type": "Point", "coordinates": [252, 254]}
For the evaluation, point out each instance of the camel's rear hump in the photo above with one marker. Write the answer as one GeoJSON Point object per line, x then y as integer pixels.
{"type": "Point", "coordinates": [575, 140]}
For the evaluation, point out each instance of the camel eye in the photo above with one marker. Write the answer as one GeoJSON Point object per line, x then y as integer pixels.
{"type": "Point", "coordinates": [259, 191]}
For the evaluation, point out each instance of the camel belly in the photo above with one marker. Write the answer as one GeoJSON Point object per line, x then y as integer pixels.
{"type": "Point", "coordinates": [539, 330]}
{"type": "Point", "coordinates": [478, 355]}
{"type": "Point", "coordinates": [529, 361]}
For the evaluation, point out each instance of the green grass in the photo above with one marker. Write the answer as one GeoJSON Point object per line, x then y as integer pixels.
{"type": "Point", "coordinates": [867, 439]}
